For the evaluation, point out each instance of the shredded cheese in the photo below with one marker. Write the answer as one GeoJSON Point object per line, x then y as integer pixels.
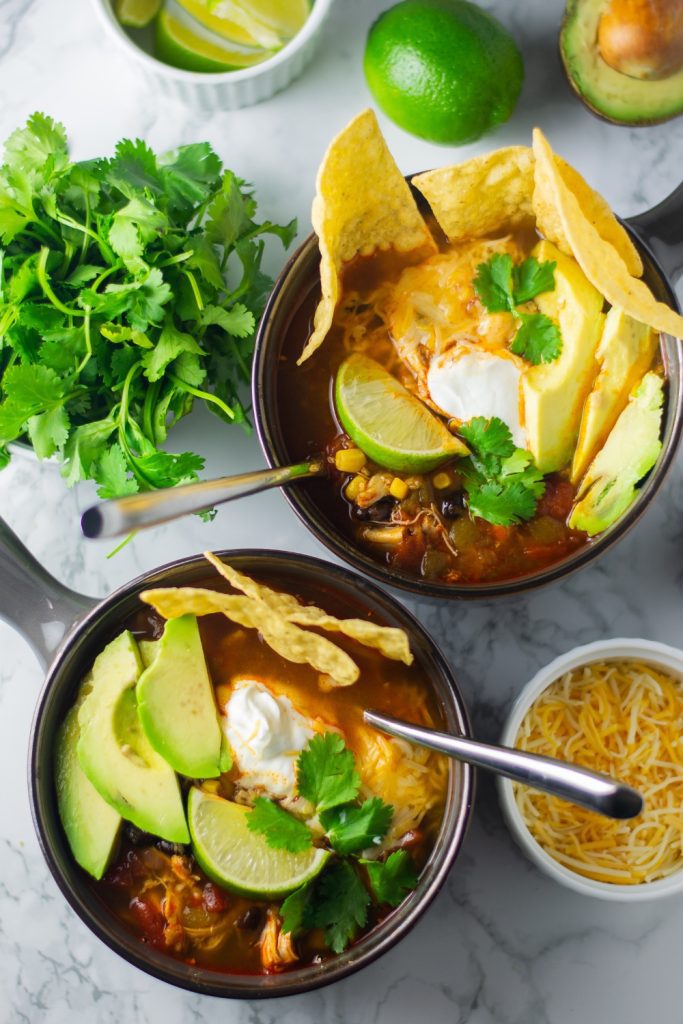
{"type": "Point", "coordinates": [623, 718]}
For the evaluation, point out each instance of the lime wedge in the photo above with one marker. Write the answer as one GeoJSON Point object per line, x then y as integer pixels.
{"type": "Point", "coordinates": [228, 20]}
{"type": "Point", "coordinates": [136, 13]}
{"type": "Point", "coordinates": [241, 860]}
{"type": "Point", "coordinates": [390, 425]}
{"type": "Point", "coordinates": [179, 45]}
{"type": "Point", "coordinates": [285, 17]}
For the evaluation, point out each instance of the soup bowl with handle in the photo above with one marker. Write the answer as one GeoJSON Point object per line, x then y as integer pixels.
{"type": "Point", "coordinates": [658, 234]}
{"type": "Point", "coordinates": [67, 631]}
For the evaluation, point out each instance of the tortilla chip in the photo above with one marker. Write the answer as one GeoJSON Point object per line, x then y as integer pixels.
{"type": "Point", "coordinates": [598, 211]}
{"type": "Point", "coordinates": [290, 642]}
{"type": "Point", "coordinates": [599, 260]}
{"type": "Point", "coordinates": [388, 640]}
{"type": "Point", "coordinates": [482, 196]}
{"type": "Point", "coordinates": [362, 203]}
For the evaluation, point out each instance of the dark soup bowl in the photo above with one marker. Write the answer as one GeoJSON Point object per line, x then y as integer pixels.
{"type": "Point", "coordinates": [290, 415]}
{"type": "Point", "coordinates": [44, 612]}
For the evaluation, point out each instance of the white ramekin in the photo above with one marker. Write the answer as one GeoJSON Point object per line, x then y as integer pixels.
{"type": "Point", "coordinates": [661, 656]}
{"type": "Point", "coordinates": [227, 90]}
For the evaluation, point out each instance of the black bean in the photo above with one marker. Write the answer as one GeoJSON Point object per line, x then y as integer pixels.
{"type": "Point", "coordinates": [172, 849]}
{"type": "Point", "coordinates": [453, 505]}
{"type": "Point", "coordinates": [137, 837]}
{"type": "Point", "coordinates": [380, 512]}
{"type": "Point", "coordinates": [250, 919]}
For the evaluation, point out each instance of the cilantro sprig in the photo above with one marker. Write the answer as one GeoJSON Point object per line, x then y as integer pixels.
{"type": "Point", "coordinates": [337, 900]}
{"type": "Point", "coordinates": [502, 482]}
{"type": "Point", "coordinates": [280, 829]}
{"type": "Point", "coordinates": [502, 287]}
{"type": "Point", "coordinates": [130, 288]}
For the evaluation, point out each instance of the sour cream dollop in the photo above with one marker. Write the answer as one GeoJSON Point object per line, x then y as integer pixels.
{"type": "Point", "coordinates": [466, 382]}
{"type": "Point", "coordinates": [266, 735]}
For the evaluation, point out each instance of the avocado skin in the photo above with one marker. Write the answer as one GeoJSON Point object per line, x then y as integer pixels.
{"type": "Point", "coordinates": [92, 827]}
{"type": "Point", "coordinates": [568, 57]}
{"type": "Point", "coordinates": [115, 754]}
{"type": "Point", "coordinates": [176, 704]}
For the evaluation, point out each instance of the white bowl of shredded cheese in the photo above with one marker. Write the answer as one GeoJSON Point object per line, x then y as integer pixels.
{"type": "Point", "coordinates": [614, 706]}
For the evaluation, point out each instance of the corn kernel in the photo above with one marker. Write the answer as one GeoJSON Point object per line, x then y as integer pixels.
{"type": "Point", "coordinates": [349, 460]}
{"type": "Point", "coordinates": [211, 785]}
{"type": "Point", "coordinates": [355, 487]}
{"type": "Point", "coordinates": [399, 488]}
{"type": "Point", "coordinates": [442, 480]}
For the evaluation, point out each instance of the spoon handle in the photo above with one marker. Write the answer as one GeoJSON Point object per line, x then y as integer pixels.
{"type": "Point", "coordinates": [595, 791]}
{"type": "Point", "coordinates": [136, 511]}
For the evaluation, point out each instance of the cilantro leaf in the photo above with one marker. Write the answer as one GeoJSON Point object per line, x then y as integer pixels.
{"type": "Point", "coordinates": [48, 431]}
{"type": "Point", "coordinates": [280, 829]}
{"type": "Point", "coordinates": [133, 169]}
{"type": "Point", "coordinates": [85, 445]}
{"type": "Point", "coordinates": [340, 906]}
{"type": "Point", "coordinates": [351, 828]}
{"type": "Point", "coordinates": [327, 773]}
{"type": "Point", "coordinates": [501, 503]}
{"type": "Point", "coordinates": [39, 149]}
{"type": "Point", "coordinates": [190, 174]}
{"type": "Point", "coordinates": [238, 321]}
{"type": "Point", "coordinates": [392, 879]}
{"type": "Point", "coordinates": [112, 474]}
{"type": "Point", "coordinates": [493, 283]}
{"type": "Point", "coordinates": [538, 339]}
{"type": "Point", "coordinates": [296, 910]}
{"type": "Point", "coordinates": [488, 436]}
{"type": "Point", "coordinates": [170, 345]}
{"type": "Point", "coordinates": [30, 390]}
{"type": "Point", "coordinates": [532, 278]}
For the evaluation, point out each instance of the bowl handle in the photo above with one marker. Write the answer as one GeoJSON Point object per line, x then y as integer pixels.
{"type": "Point", "coordinates": [35, 603]}
{"type": "Point", "coordinates": [661, 231]}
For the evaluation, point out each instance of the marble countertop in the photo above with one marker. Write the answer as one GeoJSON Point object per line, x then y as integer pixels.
{"type": "Point", "coordinates": [502, 944]}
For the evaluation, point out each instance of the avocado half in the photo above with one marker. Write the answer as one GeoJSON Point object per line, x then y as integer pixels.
{"type": "Point", "coordinates": [608, 93]}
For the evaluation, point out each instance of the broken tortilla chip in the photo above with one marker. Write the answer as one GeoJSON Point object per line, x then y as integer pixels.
{"type": "Point", "coordinates": [492, 193]}
{"type": "Point", "coordinates": [481, 196]}
{"type": "Point", "coordinates": [599, 260]}
{"type": "Point", "coordinates": [362, 203]}
{"type": "Point", "coordinates": [287, 640]}
{"type": "Point", "coordinates": [388, 640]}
{"type": "Point", "coordinates": [598, 211]}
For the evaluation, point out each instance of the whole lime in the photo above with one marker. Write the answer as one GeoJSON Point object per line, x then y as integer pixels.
{"type": "Point", "coordinates": [443, 69]}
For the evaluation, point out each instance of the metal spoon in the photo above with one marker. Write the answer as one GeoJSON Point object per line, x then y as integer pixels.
{"type": "Point", "coordinates": [136, 511]}
{"type": "Point", "coordinates": [593, 790]}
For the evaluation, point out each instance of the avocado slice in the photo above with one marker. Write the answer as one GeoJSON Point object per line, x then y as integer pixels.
{"type": "Point", "coordinates": [92, 827]}
{"type": "Point", "coordinates": [176, 703]}
{"type": "Point", "coordinates": [115, 754]}
{"type": "Point", "coordinates": [554, 393]}
{"type": "Point", "coordinates": [625, 352]}
{"type": "Point", "coordinates": [609, 93]}
{"type": "Point", "coordinates": [631, 450]}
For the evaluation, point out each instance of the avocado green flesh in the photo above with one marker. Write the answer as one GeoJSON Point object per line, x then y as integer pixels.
{"type": "Point", "coordinates": [176, 702]}
{"type": "Point", "coordinates": [92, 827]}
{"type": "Point", "coordinates": [115, 753]}
{"type": "Point", "coordinates": [606, 91]}
{"type": "Point", "coordinates": [630, 452]}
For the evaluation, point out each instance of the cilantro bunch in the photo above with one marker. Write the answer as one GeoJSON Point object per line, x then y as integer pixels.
{"type": "Point", "coordinates": [502, 482]}
{"type": "Point", "coordinates": [503, 287]}
{"type": "Point", "coordinates": [129, 288]}
{"type": "Point", "coordinates": [338, 899]}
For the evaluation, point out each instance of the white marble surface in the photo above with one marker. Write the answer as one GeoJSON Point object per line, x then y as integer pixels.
{"type": "Point", "coordinates": [502, 944]}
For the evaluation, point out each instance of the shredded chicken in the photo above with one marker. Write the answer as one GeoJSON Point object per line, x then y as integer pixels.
{"type": "Point", "coordinates": [277, 947]}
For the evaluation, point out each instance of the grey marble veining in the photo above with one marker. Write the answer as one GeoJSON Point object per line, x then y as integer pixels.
{"type": "Point", "coordinates": [502, 944]}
